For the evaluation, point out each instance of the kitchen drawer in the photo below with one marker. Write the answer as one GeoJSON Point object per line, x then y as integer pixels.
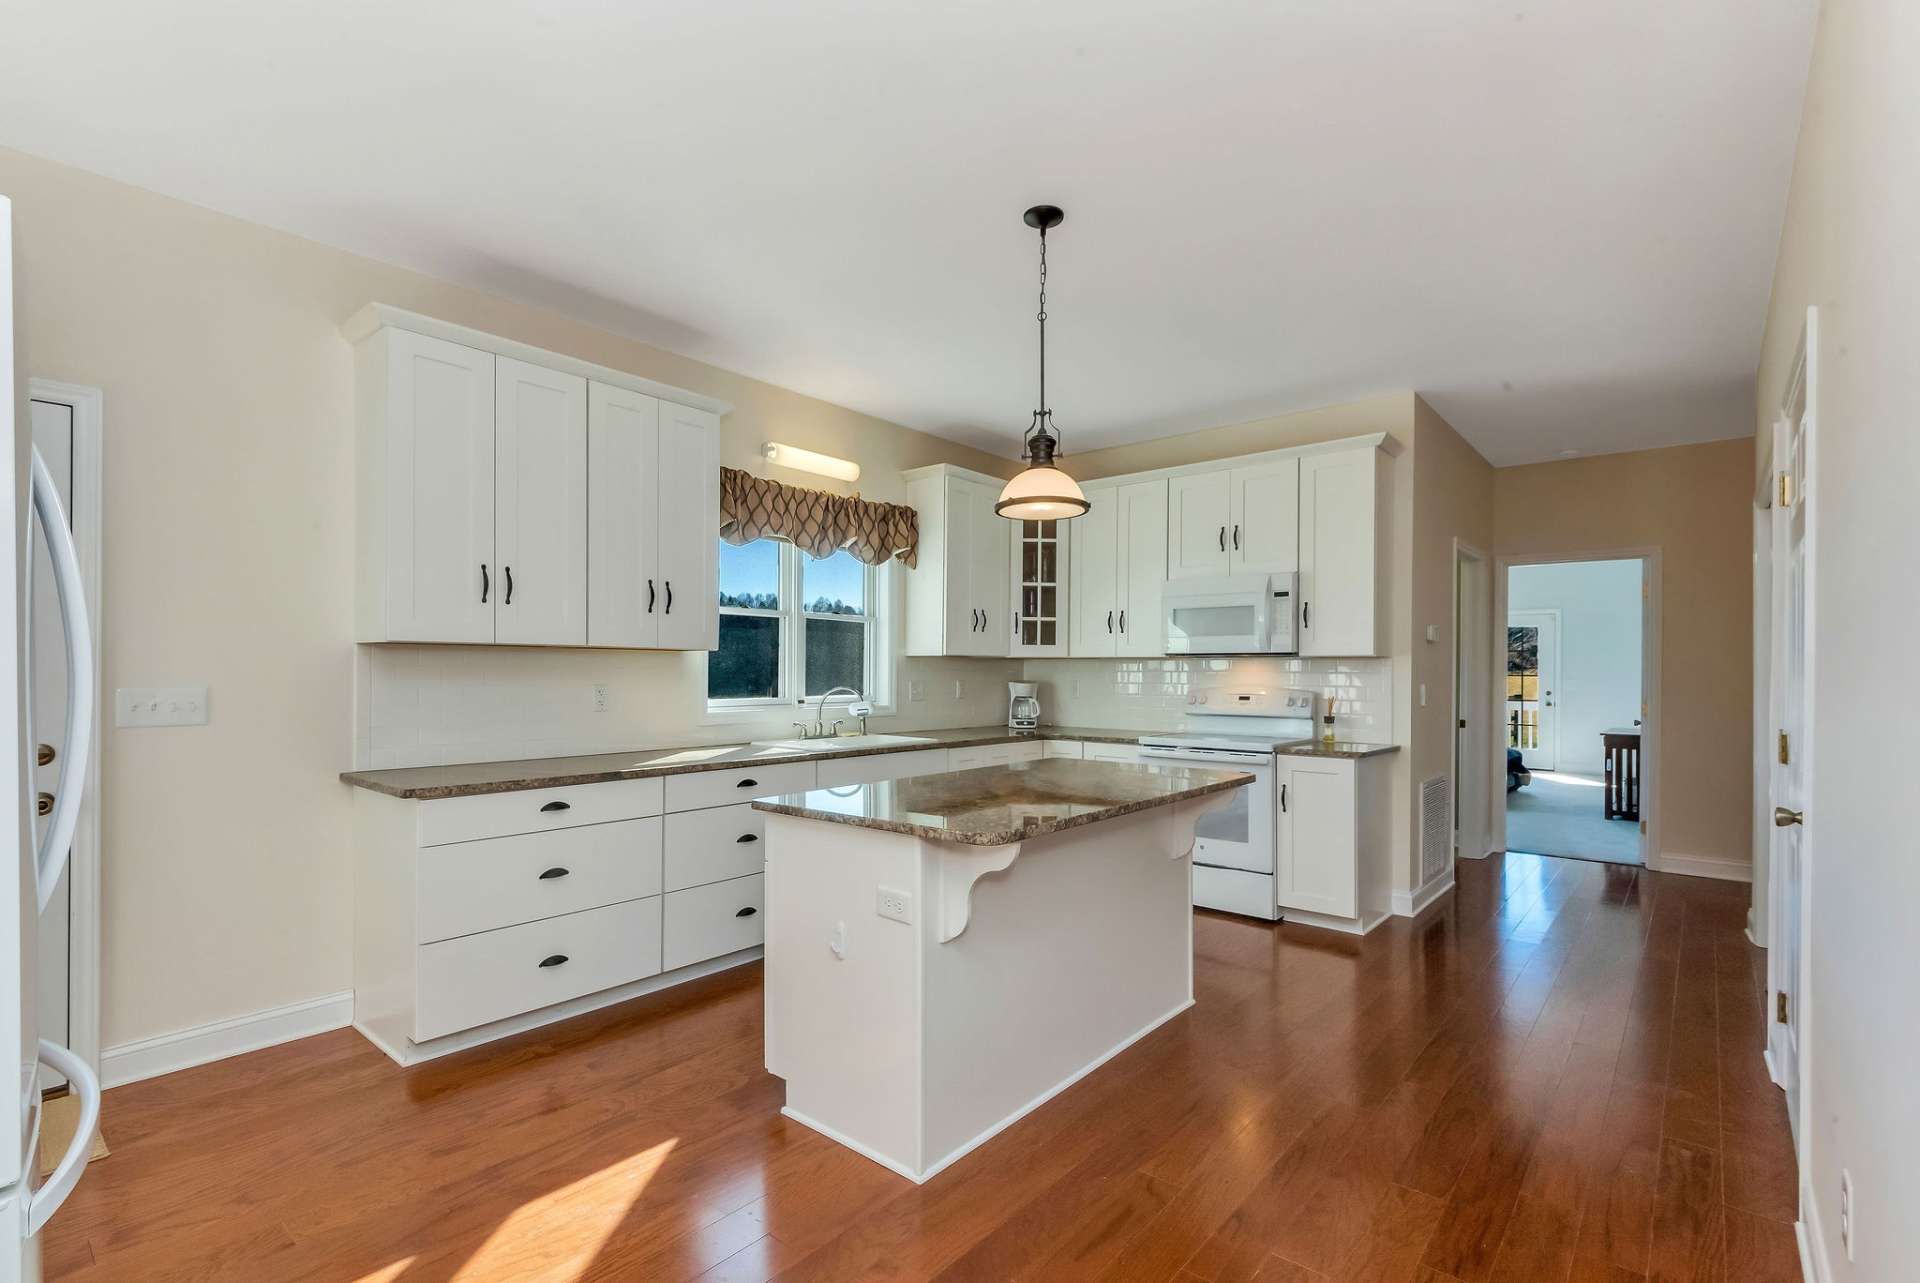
{"type": "Point", "coordinates": [1112, 753]}
{"type": "Point", "coordinates": [466, 887]}
{"type": "Point", "coordinates": [713, 845]}
{"type": "Point", "coordinates": [493, 815]}
{"type": "Point", "coordinates": [699, 789]}
{"type": "Point", "coordinates": [978, 755]}
{"type": "Point", "coordinates": [481, 978]}
{"type": "Point", "coordinates": [707, 921]}
{"type": "Point", "coordinates": [1063, 748]}
{"type": "Point", "coordinates": [839, 772]}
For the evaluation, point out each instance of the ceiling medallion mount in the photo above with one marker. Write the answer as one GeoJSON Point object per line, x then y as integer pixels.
{"type": "Point", "coordinates": [1042, 492]}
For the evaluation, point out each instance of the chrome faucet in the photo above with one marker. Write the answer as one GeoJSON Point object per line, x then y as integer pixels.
{"type": "Point", "coordinates": [820, 711]}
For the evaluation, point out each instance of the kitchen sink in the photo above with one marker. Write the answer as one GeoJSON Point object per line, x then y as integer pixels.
{"type": "Point", "coordinates": [843, 743]}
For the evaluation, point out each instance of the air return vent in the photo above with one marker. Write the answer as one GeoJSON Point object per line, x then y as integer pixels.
{"type": "Point", "coordinates": [1436, 829]}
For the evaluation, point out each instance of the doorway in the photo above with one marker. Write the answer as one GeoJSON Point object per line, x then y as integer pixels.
{"type": "Point", "coordinates": [1575, 708]}
{"type": "Point", "coordinates": [1473, 733]}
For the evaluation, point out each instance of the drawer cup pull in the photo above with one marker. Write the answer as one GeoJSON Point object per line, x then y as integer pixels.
{"type": "Point", "coordinates": [745, 784]}
{"type": "Point", "coordinates": [555, 872]}
{"type": "Point", "coordinates": [554, 960]}
{"type": "Point", "coordinates": [556, 806]}
{"type": "Point", "coordinates": [748, 837]}
{"type": "Point", "coordinates": [747, 912]}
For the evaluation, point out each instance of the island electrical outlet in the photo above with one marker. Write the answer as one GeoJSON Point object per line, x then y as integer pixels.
{"type": "Point", "coordinates": [891, 902]}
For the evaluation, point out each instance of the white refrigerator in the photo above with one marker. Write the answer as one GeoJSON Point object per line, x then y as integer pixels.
{"type": "Point", "coordinates": [32, 507]}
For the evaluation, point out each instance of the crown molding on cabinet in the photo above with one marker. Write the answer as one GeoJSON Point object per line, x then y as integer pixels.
{"type": "Point", "coordinates": [375, 315]}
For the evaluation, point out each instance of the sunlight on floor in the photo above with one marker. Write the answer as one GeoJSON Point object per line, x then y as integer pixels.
{"type": "Point", "coordinates": [387, 1273]}
{"type": "Point", "coordinates": [557, 1235]}
{"type": "Point", "coordinates": [1557, 777]}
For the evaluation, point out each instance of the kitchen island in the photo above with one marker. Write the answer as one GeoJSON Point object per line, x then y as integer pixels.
{"type": "Point", "coordinates": [944, 953]}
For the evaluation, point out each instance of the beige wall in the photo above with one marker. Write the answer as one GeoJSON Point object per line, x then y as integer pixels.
{"type": "Point", "coordinates": [229, 509]}
{"type": "Point", "coordinates": [1848, 248]}
{"type": "Point", "coordinates": [1694, 504]}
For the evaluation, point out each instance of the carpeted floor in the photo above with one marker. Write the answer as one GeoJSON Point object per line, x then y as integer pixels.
{"type": "Point", "coordinates": [1560, 814]}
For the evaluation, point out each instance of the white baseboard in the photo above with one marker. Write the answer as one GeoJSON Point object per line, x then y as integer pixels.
{"type": "Point", "coordinates": [150, 1057]}
{"type": "Point", "coordinates": [1694, 866]}
{"type": "Point", "coordinates": [1812, 1240]}
{"type": "Point", "coordinates": [1411, 904]}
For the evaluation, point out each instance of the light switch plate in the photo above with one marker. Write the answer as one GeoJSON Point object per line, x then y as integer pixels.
{"type": "Point", "coordinates": [160, 706]}
{"type": "Point", "coordinates": [916, 690]}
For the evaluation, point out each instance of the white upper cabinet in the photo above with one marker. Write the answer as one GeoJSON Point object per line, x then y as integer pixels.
{"type": "Point", "coordinates": [1343, 507]}
{"type": "Point", "coordinates": [1119, 553]}
{"type": "Point", "coordinates": [540, 505]}
{"type": "Point", "coordinates": [425, 530]}
{"type": "Point", "coordinates": [958, 602]}
{"type": "Point", "coordinates": [1234, 520]}
{"type": "Point", "coordinates": [1038, 575]}
{"type": "Point", "coordinates": [522, 497]}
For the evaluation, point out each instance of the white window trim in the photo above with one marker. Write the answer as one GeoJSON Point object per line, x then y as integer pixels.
{"type": "Point", "coordinates": [883, 592]}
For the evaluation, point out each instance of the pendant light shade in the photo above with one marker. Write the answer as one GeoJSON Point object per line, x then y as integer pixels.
{"type": "Point", "coordinates": [1042, 492]}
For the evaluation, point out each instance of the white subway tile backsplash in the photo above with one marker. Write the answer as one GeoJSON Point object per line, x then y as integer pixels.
{"type": "Point", "coordinates": [1151, 694]}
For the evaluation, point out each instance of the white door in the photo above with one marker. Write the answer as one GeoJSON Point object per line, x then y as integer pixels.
{"type": "Point", "coordinates": [1533, 673]}
{"type": "Point", "coordinates": [1318, 837]}
{"type": "Point", "coordinates": [1143, 553]}
{"type": "Point", "coordinates": [1337, 554]}
{"type": "Point", "coordinates": [439, 519]}
{"type": "Point", "coordinates": [1263, 534]}
{"type": "Point", "coordinates": [1095, 541]}
{"type": "Point", "coordinates": [53, 437]}
{"type": "Point", "coordinates": [1197, 523]}
{"type": "Point", "coordinates": [623, 548]}
{"type": "Point", "coordinates": [689, 507]}
{"type": "Point", "coordinates": [963, 610]}
{"type": "Point", "coordinates": [540, 505]}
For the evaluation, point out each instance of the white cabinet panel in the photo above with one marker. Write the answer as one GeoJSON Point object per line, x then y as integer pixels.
{"type": "Point", "coordinates": [689, 529]}
{"type": "Point", "coordinates": [1263, 535]}
{"type": "Point", "coordinates": [1198, 519]}
{"type": "Point", "coordinates": [1341, 496]}
{"type": "Point", "coordinates": [490, 815]}
{"type": "Point", "coordinates": [427, 528]}
{"type": "Point", "coordinates": [1125, 753]}
{"type": "Point", "coordinates": [540, 505]}
{"type": "Point", "coordinates": [958, 600]}
{"type": "Point", "coordinates": [1063, 748]}
{"type": "Point", "coordinates": [497, 882]}
{"type": "Point", "coordinates": [988, 585]}
{"type": "Point", "coordinates": [841, 772]}
{"type": "Point", "coordinates": [1319, 837]}
{"type": "Point", "coordinates": [1095, 542]}
{"type": "Point", "coordinates": [713, 845]}
{"type": "Point", "coordinates": [1143, 536]}
{"type": "Point", "coordinates": [707, 921]}
{"type": "Point", "coordinates": [974, 756]}
{"type": "Point", "coordinates": [623, 543]}
{"type": "Point", "coordinates": [725, 788]}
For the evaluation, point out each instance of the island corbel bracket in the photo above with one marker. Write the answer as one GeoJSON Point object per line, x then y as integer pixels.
{"type": "Point", "coordinates": [956, 868]}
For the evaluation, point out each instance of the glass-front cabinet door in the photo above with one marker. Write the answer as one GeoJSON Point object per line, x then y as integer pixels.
{"type": "Point", "coordinates": [1039, 582]}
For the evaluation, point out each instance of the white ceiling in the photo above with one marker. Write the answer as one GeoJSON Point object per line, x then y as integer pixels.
{"type": "Point", "coordinates": [1557, 219]}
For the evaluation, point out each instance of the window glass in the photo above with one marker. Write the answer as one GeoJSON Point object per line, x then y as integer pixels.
{"type": "Point", "coordinates": [750, 575]}
{"type": "Point", "coordinates": [747, 665]}
{"type": "Point", "coordinates": [836, 654]}
{"type": "Point", "coordinates": [835, 585]}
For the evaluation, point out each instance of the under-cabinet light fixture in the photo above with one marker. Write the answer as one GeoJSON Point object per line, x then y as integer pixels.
{"type": "Point", "coordinates": [825, 465]}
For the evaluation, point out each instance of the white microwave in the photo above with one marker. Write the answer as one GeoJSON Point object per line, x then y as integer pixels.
{"type": "Point", "coordinates": [1233, 615]}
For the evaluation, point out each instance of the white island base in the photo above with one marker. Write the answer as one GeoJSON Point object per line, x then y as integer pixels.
{"type": "Point", "coordinates": [1021, 969]}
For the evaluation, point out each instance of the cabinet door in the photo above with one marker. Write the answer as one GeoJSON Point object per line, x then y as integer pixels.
{"type": "Point", "coordinates": [1337, 553]}
{"type": "Point", "coordinates": [988, 552]}
{"type": "Point", "coordinates": [962, 611]}
{"type": "Point", "coordinates": [623, 553]}
{"type": "Point", "coordinates": [439, 568]}
{"type": "Point", "coordinates": [689, 528]}
{"type": "Point", "coordinates": [540, 504]}
{"type": "Point", "coordinates": [1095, 542]}
{"type": "Point", "coordinates": [1037, 573]}
{"type": "Point", "coordinates": [1143, 540]}
{"type": "Point", "coordinates": [1198, 519]}
{"type": "Point", "coordinates": [1318, 837]}
{"type": "Point", "coordinates": [1263, 530]}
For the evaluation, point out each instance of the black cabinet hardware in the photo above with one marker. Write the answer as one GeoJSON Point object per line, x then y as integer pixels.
{"type": "Point", "coordinates": [669, 609]}
{"type": "Point", "coordinates": [1283, 797]}
{"type": "Point", "coordinates": [553, 960]}
{"type": "Point", "coordinates": [1236, 539]}
{"type": "Point", "coordinates": [1223, 539]}
{"type": "Point", "coordinates": [1109, 621]}
{"type": "Point", "coordinates": [745, 784]}
{"type": "Point", "coordinates": [1123, 621]}
{"type": "Point", "coordinates": [650, 596]}
{"type": "Point", "coordinates": [748, 837]}
{"type": "Point", "coordinates": [747, 912]}
{"type": "Point", "coordinates": [509, 597]}
{"type": "Point", "coordinates": [1306, 614]}
{"type": "Point", "coordinates": [557, 806]}
{"type": "Point", "coordinates": [485, 585]}
{"type": "Point", "coordinates": [555, 872]}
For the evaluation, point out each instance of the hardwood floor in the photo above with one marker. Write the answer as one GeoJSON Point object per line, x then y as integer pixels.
{"type": "Point", "coordinates": [1553, 1076]}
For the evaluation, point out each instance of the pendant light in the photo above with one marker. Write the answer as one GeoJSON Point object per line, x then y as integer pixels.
{"type": "Point", "coordinates": [1042, 492]}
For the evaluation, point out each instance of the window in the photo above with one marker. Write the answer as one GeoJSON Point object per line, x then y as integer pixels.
{"type": "Point", "coordinates": [793, 627]}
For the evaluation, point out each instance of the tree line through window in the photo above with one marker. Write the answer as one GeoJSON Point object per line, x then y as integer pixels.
{"type": "Point", "coordinates": [790, 625]}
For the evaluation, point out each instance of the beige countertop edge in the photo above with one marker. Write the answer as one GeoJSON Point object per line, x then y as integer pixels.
{"type": "Point", "coordinates": [390, 781]}
{"type": "Point", "coordinates": [1339, 748]}
{"type": "Point", "coordinates": [1000, 836]}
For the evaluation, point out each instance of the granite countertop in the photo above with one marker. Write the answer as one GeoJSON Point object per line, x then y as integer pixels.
{"type": "Point", "coordinates": [997, 805]}
{"type": "Point", "coordinates": [427, 783]}
{"type": "Point", "coordinates": [1338, 748]}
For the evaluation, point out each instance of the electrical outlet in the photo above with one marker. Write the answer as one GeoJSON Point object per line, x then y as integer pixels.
{"type": "Point", "coordinates": [1423, 694]}
{"type": "Point", "coordinates": [160, 706]}
{"type": "Point", "coordinates": [959, 688]}
{"type": "Point", "coordinates": [891, 902]}
{"type": "Point", "coordinates": [1846, 1212]}
{"type": "Point", "coordinates": [600, 697]}
{"type": "Point", "coordinates": [917, 691]}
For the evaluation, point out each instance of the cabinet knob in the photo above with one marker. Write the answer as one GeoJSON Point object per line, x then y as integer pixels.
{"type": "Point", "coordinates": [44, 755]}
{"type": "Point", "coordinates": [555, 872]}
{"type": "Point", "coordinates": [553, 960]}
{"type": "Point", "coordinates": [43, 804]}
{"type": "Point", "coordinates": [557, 806]}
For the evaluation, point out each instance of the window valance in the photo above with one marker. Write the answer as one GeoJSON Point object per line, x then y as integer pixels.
{"type": "Point", "coordinates": [818, 523]}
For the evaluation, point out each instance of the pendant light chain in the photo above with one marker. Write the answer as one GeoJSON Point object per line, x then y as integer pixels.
{"type": "Point", "coordinates": [1044, 414]}
{"type": "Point", "coordinates": [1042, 492]}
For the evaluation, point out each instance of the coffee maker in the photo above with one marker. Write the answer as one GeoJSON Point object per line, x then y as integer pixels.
{"type": "Point", "coordinates": [1023, 705]}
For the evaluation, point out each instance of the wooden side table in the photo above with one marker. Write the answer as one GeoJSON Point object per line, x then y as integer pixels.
{"type": "Point", "coordinates": [1622, 794]}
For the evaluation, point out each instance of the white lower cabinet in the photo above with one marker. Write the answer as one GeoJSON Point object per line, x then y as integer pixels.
{"type": "Point", "coordinates": [708, 921]}
{"type": "Point", "coordinates": [974, 756]}
{"type": "Point", "coordinates": [1063, 748]}
{"type": "Point", "coordinates": [466, 887]}
{"type": "Point", "coordinates": [1334, 846]}
{"type": "Point", "coordinates": [1111, 753]}
{"type": "Point", "coordinates": [714, 845]}
{"type": "Point", "coordinates": [841, 772]}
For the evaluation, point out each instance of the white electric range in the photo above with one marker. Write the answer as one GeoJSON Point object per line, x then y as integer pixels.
{"type": "Point", "coordinates": [1236, 848]}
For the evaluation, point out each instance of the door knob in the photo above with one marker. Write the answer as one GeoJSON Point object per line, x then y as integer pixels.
{"type": "Point", "coordinates": [43, 803]}
{"type": "Point", "coordinates": [1782, 817]}
{"type": "Point", "coordinates": [45, 754]}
